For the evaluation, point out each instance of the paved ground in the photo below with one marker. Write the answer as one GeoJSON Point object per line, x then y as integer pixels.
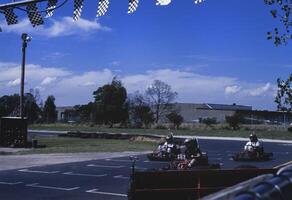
{"type": "Point", "coordinates": [19, 161]}
{"type": "Point", "coordinates": [108, 178]}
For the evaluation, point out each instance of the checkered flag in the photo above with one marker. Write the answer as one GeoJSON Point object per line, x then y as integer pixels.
{"type": "Point", "coordinates": [34, 16]}
{"type": "Point", "coordinates": [102, 7]}
{"type": "Point", "coordinates": [78, 5]}
{"type": "Point", "coordinates": [10, 16]}
{"type": "Point", "coordinates": [51, 7]}
{"type": "Point", "coordinates": [133, 4]}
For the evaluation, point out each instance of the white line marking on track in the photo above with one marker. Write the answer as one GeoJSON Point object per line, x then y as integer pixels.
{"type": "Point", "coordinates": [149, 161]}
{"type": "Point", "coordinates": [117, 160]}
{"type": "Point", "coordinates": [96, 191]}
{"type": "Point", "coordinates": [121, 177]}
{"type": "Point", "coordinates": [36, 185]}
{"type": "Point", "coordinates": [7, 183]}
{"type": "Point", "coordinates": [141, 168]}
{"type": "Point", "coordinates": [90, 175]}
{"type": "Point", "coordinates": [106, 166]}
{"type": "Point", "coordinates": [40, 172]}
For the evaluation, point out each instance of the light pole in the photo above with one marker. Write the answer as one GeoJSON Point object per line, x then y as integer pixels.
{"type": "Point", "coordinates": [25, 39]}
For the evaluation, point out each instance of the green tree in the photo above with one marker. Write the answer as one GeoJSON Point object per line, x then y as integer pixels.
{"type": "Point", "coordinates": [49, 112]}
{"type": "Point", "coordinates": [175, 118]}
{"type": "Point", "coordinates": [284, 94]}
{"type": "Point", "coordinates": [85, 112]}
{"type": "Point", "coordinates": [110, 103]}
{"type": "Point", "coordinates": [31, 109]}
{"type": "Point", "coordinates": [9, 106]}
{"type": "Point", "coordinates": [281, 9]}
{"type": "Point", "coordinates": [140, 112]}
{"type": "Point", "coordinates": [160, 96]}
{"type": "Point", "coordinates": [233, 121]}
{"type": "Point", "coordinates": [209, 121]}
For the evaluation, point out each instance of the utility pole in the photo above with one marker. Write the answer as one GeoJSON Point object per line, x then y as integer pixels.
{"type": "Point", "coordinates": [25, 39]}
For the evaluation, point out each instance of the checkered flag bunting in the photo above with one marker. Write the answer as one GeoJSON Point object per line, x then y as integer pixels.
{"type": "Point", "coordinates": [50, 8]}
{"type": "Point", "coordinates": [102, 7]}
{"type": "Point", "coordinates": [78, 5]}
{"type": "Point", "coordinates": [133, 4]}
{"type": "Point", "coordinates": [34, 16]}
{"type": "Point", "coordinates": [10, 16]}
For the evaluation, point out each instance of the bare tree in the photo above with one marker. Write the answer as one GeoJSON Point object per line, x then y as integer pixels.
{"type": "Point", "coordinates": [160, 96]}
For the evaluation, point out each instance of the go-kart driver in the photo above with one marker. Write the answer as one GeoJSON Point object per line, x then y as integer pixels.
{"type": "Point", "coordinates": [168, 145]}
{"type": "Point", "coordinates": [192, 151]}
{"type": "Point", "coordinates": [253, 145]}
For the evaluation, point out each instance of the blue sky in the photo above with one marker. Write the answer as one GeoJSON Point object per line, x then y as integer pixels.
{"type": "Point", "coordinates": [215, 52]}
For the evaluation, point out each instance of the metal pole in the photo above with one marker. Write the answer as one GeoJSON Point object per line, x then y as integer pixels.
{"type": "Point", "coordinates": [25, 39]}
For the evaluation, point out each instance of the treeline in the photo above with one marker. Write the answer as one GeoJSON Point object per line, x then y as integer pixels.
{"type": "Point", "coordinates": [111, 105]}
{"type": "Point", "coordinates": [34, 109]}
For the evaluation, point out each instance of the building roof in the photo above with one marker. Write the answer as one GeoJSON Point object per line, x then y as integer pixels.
{"type": "Point", "coordinates": [228, 107]}
{"type": "Point", "coordinates": [212, 106]}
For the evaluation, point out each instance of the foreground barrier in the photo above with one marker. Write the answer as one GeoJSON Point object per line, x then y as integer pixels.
{"type": "Point", "coordinates": [278, 187]}
{"type": "Point", "coordinates": [187, 185]}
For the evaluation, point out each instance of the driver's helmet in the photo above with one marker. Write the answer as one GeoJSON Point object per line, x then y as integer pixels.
{"type": "Point", "coordinates": [253, 137]}
{"type": "Point", "coordinates": [191, 143]}
{"type": "Point", "coordinates": [169, 138]}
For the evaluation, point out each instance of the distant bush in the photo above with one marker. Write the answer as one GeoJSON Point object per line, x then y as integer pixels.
{"type": "Point", "coordinates": [234, 121]}
{"type": "Point", "coordinates": [290, 128]}
{"type": "Point", "coordinates": [160, 126]}
{"type": "Point", "coordinates": [209, 121]}
{"type": "Point", "coordinates": [175, 118]}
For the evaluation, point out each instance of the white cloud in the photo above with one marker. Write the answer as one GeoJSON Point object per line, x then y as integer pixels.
{"type": "Point", "coordinates": [14, 82]}
{"type": "Point", "coordinates": [71, 88]}
{"type": "Point", "coordinates": [232, 89]}
{"type": "Point", "coordinates": [163, 2]}
{"type": "Point", "coordinates": [262, 90]}
{"type": "Point", "coordinates": [53, 28]}
{"type": "Point", "coordinates": [48, 80]}
{"type": "Point", "coordinates": [33, 73]}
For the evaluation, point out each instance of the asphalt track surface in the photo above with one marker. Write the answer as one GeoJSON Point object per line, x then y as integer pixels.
{"type": "Point", "coordinates": [108, 178]}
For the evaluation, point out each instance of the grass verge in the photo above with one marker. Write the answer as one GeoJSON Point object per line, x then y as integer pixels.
{"type": "Point", "coordinates": [269, 134]}
{"type": "Point", "coordinates": [78, 145]}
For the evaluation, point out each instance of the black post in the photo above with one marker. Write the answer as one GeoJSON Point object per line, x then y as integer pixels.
{"type": "Point", "coordinates": [25, 38]}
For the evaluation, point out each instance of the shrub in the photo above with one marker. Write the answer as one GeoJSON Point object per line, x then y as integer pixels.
{"type": "Point", "coordinates": [175, 118]}
{"type": "Point", "coordinates": [290, 128]}
{"type": "Point", "coordinates": [160, 126]}
{"type": "Point", "coordinates": [209, 121]}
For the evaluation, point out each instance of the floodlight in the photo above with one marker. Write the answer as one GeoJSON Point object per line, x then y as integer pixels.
{"type": "Point", "coordinates": [199, 1]}
{"type": "Point", "coordinates": [10, 16]}
{"type": "Point", "coordinates": [51, 7]}
{"type": "Point", "coordinates": [102, 7]}
{"type": "Point", "coordinates": [34, 16]}
{"type": "Point", "coordinates": [133, 4]}
{"type": "Point", "coordinates": [78, 5]}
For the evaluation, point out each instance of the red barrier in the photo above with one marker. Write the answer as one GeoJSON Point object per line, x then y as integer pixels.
{"type": "Point", "coordinates": [191, 184]}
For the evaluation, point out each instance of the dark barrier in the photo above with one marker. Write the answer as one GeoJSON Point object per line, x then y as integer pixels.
{"type": "Point", "coordinates": [278, 187]}
{"type": "Point", "coordinates": [13, 132]}
{"type": "Point", "coordinates": [187, 185]}
{"type": "Point", "coordinates": [121, 136]}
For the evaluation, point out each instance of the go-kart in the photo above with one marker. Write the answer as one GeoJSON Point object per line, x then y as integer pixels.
{"type": "Point", "coordinates": [169, 153]}
{"type": "Point", "coordinates": [194, 162]}
{"type": "Point", "coordinates": [256, 154]}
